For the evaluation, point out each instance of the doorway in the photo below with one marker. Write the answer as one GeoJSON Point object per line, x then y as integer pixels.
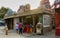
{"type": "Point", "coordinates": [9, 23]}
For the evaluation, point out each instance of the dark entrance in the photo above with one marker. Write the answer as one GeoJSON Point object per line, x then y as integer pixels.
{"type": "Point", "coordinates": [28, 20]}
{"type": "Point", "coordinates": [9, 23]}
{"type": "Point", "coordinates": [36, 21]}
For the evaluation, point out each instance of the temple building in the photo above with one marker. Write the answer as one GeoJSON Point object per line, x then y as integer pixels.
{"type": "Point", "coordinates": [41, 14]}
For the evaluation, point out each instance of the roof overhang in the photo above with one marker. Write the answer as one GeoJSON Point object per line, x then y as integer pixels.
{"type": "Point", "coordinates": [31, 12]}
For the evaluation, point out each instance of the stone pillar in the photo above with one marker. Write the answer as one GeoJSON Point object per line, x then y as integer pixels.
{"type": "Point", "coordinates": [22, 19]}
{"type": "Point", "coordinates": [33, 23]}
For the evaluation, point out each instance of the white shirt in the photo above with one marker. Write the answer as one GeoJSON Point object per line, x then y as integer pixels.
{"type": "Point", "coordinates": [16, 26]}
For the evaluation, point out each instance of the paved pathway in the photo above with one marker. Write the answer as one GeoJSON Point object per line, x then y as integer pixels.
{"type": "Point", "coordinates": [15, 35]}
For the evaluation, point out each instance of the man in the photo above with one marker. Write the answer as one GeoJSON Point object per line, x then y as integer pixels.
{"type": "Point", "coordinates": [20, 27]}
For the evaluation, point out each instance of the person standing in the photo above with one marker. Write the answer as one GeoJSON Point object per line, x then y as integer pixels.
{"type": "Point", "coordinates": [6, 29]}
{"type": "Point", "coordinates": [20, 27]}
{"type": "Point", "coordinates": [30, 28]}
{"type": "Point", "coordinates": [27, 28]}
{"type": "Point", "coordinates": [16, 27]}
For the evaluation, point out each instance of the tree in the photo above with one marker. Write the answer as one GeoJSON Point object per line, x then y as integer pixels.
{"type": "Point", "coordinates": [3, 11]}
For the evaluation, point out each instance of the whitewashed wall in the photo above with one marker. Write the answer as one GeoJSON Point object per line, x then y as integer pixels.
{"type": "Point", "coordinates": [16, 20]}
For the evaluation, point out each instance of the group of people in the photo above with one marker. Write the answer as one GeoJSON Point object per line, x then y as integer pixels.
{"type": "Point", "coordinates": [20, 29]}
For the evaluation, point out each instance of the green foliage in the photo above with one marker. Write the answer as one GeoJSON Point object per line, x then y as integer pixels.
{"type": "Point", "coordinates": [1, 15]}
{"type": "Point", "coordinates": [3, 11]}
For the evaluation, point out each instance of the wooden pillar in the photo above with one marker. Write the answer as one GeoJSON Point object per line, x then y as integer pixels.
{"type": "Point", "coordinates": [11, 23]}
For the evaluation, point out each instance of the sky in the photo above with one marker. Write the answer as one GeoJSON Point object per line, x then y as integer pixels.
{"type": "Point", "coordinates": [14, 4]}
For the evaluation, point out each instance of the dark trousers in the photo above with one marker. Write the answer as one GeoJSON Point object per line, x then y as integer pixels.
{"type": "Point", "coordinates": [20, 30]}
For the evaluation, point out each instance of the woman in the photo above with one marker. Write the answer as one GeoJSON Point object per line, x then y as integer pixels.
{"type": "Point", "coordinates": [27, 28]}
{"type": "Point", "coordinates": [30, 28]}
